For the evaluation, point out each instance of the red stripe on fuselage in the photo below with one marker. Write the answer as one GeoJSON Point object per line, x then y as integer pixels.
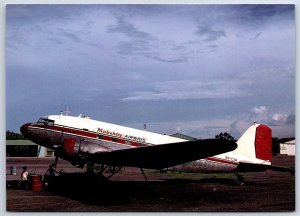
{"type": "Point", "coordinates": [79, 132]}
{"type": "Point", "coordinates": [92, 135]}
{"type": "Point", "coordinates": [219, 160]}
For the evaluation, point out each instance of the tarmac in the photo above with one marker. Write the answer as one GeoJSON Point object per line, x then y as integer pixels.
{"type": "Point", "coordinates": [127, 191]}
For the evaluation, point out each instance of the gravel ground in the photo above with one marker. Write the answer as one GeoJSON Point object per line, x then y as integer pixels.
{"type": "Point", "coordinates": [163, 192]}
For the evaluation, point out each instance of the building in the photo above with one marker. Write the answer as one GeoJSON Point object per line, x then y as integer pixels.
{"type": "Point", "coordinates": [26, 148]}
{"type": "Point", "coordinates": [182, 136]}
{"type": "Point", "coordinates": [288, 148]}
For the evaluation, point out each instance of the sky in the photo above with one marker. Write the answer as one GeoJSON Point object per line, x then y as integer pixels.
{"type": "Point", "coordinates": [193, 69]}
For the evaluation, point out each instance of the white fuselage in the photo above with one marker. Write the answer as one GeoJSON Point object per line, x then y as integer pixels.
{"type": "Point", "coordinates": [113, 130]}
{"type": "Point", "coordinates": [117, 137]}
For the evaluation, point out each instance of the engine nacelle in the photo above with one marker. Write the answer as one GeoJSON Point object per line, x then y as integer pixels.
{"type": "Point", "coordinates": [73, 147]}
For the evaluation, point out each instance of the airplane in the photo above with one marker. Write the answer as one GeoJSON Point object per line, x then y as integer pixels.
{"type": "Point", "coordinates": [81, 140]}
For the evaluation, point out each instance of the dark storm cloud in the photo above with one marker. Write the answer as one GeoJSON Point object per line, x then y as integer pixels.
{"type": "Point", "coordinates": [261, 11]}
{"type": "Point", "coordinates": [259, 14]}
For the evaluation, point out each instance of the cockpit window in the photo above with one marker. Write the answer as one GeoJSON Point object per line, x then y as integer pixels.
{"type": "Point", "coordinates": [43, 121]}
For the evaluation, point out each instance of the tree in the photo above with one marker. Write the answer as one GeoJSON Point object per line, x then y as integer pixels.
{"type": "Point", "coordinates": [10, 135]}
{"type": "Point", "coordinates": [224, 135]}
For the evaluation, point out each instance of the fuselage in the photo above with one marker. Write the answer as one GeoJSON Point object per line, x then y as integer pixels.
{"type": "Point", "coordinates": [51, 131]}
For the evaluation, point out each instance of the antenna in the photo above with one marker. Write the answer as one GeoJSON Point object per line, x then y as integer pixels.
{"type": "Point", "coordinates": [65, 112]}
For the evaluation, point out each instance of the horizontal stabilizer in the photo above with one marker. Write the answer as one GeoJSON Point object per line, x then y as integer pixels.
{"type": "Point", "coordinates": [165, 155]}
{"type": "Point", "coordinates": [249, 167]}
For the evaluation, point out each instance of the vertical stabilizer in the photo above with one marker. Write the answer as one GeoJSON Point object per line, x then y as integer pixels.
{"type": "Point", "coordinates": [256, 142]}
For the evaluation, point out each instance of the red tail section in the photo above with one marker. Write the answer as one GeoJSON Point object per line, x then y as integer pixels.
{"type": "Point", "coordinates": [263, 142]}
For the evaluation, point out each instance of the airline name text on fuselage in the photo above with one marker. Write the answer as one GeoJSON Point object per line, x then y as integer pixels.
{"type": "Point", "coordinates": [121, 136]}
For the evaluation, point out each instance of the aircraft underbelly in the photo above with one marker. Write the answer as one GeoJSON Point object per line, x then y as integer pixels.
{"type": "Point", "coordinates": [206, 165]}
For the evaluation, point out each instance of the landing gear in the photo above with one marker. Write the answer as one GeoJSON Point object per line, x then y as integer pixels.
{"type": "Point", "coordinates": [56, 160]}
{"type": "Point", "coordinates": [240, 179]}
{"type": "Point", "coordinates": [112, 170]}
{"type": "Point", "coordinates": [145, 177]}
{"type": "Point", "coordinates": [94, 177]}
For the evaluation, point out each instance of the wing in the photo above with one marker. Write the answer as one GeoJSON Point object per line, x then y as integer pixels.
{"type": "Point", "coordinates": [249, 167]}
{"type": "Point", "coordinates": [165, 155]}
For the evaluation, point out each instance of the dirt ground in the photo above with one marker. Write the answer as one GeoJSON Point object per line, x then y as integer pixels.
{"type": "Point", "coordinates": [163, 192]}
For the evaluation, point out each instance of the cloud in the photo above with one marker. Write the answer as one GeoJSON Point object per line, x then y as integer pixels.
{"type": "Point", "coordinates": [128, 29]}
{"type": "Point", "coordinates": [141, 43]}
{"type": "Point", "coordinates": [71, 36]}
{"type": "Point", "coordinates": [282, 125]}
{"type": "Point", "coordinates": [260, 15]}
{"type": "Point", "coordinates": [209, 34]}
{"type": "Point", "coordinates": [279, 117]}
{"type": "Point", "coordinates": [256, 36]}
{"type": "Point", "coordinates": [276, 119]}
{"type": "Point", "coordinates": [261, 110]}
{"type": "Point", "coordinates": [168, 59]}
{"type": "Point", "coordinates": [190, 89]}
{"type": "Point", "coordinates": [181, 61]}
{"type": "Point", "coordinates": [282, 119]}
{"type": "Point", "coordinates": [55, 40]}
{"type": "Point", "coordinates": [238, 127]}
{"type": "Point", "coordinates": [195, 128]}
{"type": "Point", "coordinates": [158, 51]}
{"type": "Point", "coordinates": [260, 114]}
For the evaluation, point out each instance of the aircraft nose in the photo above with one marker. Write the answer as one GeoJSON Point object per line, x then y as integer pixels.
{"type": "Point", "coordinates": [24, 129]}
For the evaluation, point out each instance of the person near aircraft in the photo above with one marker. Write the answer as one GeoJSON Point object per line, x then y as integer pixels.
{"type": "Point", "coordinates": [24, 183]}
{"type": "Point", "coordinates": [51, 170]}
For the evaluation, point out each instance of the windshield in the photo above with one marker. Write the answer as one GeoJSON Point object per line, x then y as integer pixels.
{"type": "Point", "coordinates": [43, 121]}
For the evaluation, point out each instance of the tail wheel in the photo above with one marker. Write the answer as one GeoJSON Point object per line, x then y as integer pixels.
{"type": "Point", "coordinates": [240, 179]}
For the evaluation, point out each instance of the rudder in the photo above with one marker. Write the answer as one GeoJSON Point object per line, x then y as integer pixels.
{"type": "Point", "coordinates": [256, 142]}
{"type": "Point", "coordinates": [263, 142]}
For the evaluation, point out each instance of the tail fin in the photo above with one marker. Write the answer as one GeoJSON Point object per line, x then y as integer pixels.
{"type": "Point", "coordinates": [256, 142]}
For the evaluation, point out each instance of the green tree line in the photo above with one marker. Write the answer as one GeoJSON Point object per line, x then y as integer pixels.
{"type": "Point", "coordinates": [10, 135]}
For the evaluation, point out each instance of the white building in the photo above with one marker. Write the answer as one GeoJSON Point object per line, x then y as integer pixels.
{"type": "Point", "coordinates": [288, 148]}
